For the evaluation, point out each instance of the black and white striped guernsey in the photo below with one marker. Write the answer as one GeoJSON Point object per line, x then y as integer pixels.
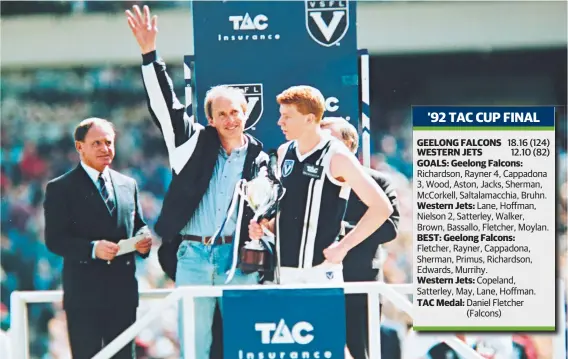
{"type": "Point", "coordinates": [310, 214]}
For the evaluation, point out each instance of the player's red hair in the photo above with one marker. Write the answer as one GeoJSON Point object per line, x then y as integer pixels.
{"type": "Point", "coordinates": [308, 100]}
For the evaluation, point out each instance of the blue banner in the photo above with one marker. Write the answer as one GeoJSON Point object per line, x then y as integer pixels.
{"type": "Point", "coordinates": [284, 324]}
{"type": "Point", "coordinates": [265, 47]}
{"type": "Point", "coordinates": [486, 116]}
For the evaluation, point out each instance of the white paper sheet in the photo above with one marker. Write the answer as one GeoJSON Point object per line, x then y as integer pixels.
{"type": "Point", "coordinates": [129, 245]}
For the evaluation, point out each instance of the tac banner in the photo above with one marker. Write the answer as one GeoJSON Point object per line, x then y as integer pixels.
{"type": "Point", "coordinates": [265, 47]}
{"type": "Point", "coordinates": [284, 323]}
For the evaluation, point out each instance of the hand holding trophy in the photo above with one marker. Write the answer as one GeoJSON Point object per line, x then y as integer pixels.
{"type": "Point", "coordinates": [262, 195]}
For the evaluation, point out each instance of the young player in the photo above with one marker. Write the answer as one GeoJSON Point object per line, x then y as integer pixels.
{"type": "Point", "coordinates": [318, 172]}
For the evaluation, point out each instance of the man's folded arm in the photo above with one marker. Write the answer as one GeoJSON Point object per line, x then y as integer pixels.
{"type": "Point", "coordinates": [57, 223]}
{"type": "Point", "coordinates": [392, 224]}
{"type": "Point", "coordinates": [384, 234]}
{"type": "Point", "coordinates": [388, 231]}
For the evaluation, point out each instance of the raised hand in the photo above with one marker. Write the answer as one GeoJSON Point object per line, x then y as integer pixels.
{"type": "Point", "coordinates": [144, 27]}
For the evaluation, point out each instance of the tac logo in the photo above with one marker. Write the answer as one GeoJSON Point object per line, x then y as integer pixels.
{"type": "Point", "coordinates": [327, 21]}
{"type": "Point", "coordinates": [331, 104]}
{"type": "Point", "coordinates": [259, 22]}
{"type": "Point", "coordinates": [312, 169]}
{"type": "Point", "coordinates": [271, 333]}
{"type": "Point", "coordinates": [255, 107]}
{"type": "Point", "coordinates": [246, 27]}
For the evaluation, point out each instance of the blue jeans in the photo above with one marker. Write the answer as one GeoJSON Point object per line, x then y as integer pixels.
{"type": "Point", "coordinates": [200, 264]}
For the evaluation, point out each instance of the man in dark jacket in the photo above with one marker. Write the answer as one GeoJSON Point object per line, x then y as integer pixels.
{"type": "Point", "coordinates": [88, 210]}
{"type": "Point", "coordinates": [207, 162]}
{"type": "Point", "coordinates": [362, 262]}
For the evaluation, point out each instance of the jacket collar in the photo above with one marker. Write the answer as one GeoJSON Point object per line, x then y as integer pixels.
{"type": "Point", "coordinates": [253, 142]}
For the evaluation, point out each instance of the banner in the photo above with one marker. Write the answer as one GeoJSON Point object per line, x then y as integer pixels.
{"type": "Point", "coordinates": [284, 324]}
{"type": "Point", "coordinates": [265, 47]}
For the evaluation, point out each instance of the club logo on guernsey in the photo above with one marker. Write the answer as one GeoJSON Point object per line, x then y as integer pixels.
{"type": "Point", "coordinates": [255, 106]}
{"type": "Point", "coordinates": [327, 21]}
{"type": "Point", "coordinates": [287, 168]}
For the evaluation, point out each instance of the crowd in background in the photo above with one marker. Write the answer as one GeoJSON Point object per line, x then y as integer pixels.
{"type": "Point", "coordinates": [13, 8]}
{"type": "Point", "coordinates": [39, 111]}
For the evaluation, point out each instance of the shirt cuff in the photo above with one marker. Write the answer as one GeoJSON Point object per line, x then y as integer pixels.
{"type": "Point", "coordinates": [94, 246]}
{"type": "Point", "coordinates": [149, 57]}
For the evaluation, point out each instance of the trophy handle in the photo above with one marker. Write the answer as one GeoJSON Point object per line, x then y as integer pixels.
{"type": "Point", "coordinates": [242, 188]}
{"type": "Point", "coordinates": [240, 210]}
{"type": "Point", "coordinates": [283, 192]}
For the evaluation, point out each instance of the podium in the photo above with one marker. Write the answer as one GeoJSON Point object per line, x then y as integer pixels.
{"type": "Point", "coordinates": [264, 47]}
{"type": "Point", "coordinates": [284, 323]}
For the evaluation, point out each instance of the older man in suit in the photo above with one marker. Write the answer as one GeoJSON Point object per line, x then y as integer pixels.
{"type": "Point", "coordinates": [88, 211]}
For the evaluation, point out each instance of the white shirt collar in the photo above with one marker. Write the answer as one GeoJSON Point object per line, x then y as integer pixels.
{"type": "Point", "coordinates": [94, 174]}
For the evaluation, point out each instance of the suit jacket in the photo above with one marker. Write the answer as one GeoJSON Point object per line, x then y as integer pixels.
{"type": "Point", "coordinates": [361, 257]}
{"type": "Point", "coordinates": [75, 216]}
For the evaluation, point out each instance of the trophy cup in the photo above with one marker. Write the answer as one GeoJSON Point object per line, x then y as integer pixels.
{"type": "Point", "coordinates": [262, 195]}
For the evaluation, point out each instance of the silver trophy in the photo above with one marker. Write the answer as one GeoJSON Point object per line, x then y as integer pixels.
{"type": "Point", "coordinates": [262, 195]}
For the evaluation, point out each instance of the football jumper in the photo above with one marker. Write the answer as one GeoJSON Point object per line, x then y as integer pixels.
{"type": "Point", "coordinates": [311, 211]}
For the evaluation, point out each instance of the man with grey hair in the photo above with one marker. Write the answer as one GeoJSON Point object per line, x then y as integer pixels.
{"type": "Point", "coordinates": [358, 265]}
{"type": "Point", "coordinates": [207, 162]}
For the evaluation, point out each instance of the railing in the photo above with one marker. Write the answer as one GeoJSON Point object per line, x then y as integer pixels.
{"type": "Point", "coordinates": [394, 293]}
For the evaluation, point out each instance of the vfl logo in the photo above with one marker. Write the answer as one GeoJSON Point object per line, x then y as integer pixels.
{"type": "Point", "coordinates": [327, 21]}
{"type": "Point", "coordinates": [255, 107]}
{"type": "Point", "coordinates": [287, 168]}
{"type": "Point", "coordinates": [329, 275]}
{"type": "Point", "coordinates": [283, 334]}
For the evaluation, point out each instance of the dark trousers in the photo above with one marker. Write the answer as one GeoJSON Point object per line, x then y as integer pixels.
{"type": "Point", "coordinates": [91, 329]}
{"type": "Point", "coordinates": [357, 319]}
{"type": "Point", "coordinates": [356, 312]}
{"type": "Point", "coordinates": [217, 344]}
{"type": "Point", "coordinates": [357, 324]}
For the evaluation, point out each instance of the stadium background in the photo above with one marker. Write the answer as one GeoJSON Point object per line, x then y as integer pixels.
{"type": "Point", "coordinates": [65, 61]}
